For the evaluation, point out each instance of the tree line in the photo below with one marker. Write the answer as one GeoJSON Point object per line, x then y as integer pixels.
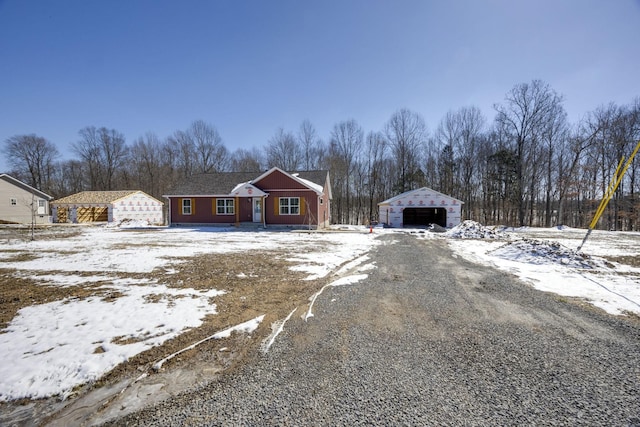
{"type": "Point", "coordinates": [529, 166]}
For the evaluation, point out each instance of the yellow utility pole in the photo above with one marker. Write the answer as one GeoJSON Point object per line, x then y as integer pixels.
{"type": "Point", "coordinates": [611, 189]}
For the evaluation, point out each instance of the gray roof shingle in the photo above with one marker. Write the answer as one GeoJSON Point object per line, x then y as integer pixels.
{"type": "Point", "coordinates": [222, 183]}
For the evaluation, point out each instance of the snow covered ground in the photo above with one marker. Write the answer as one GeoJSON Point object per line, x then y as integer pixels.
{"type": "Point", "coordinates": [546, 258]}
{"type": "Point", "coordinates": [48, 349]}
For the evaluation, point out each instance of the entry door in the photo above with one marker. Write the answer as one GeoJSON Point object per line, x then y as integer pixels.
{"type": "Point", "coordinates": [257, 209]}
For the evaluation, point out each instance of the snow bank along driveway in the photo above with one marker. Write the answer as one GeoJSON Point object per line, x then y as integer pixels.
{"type": "Point", "coordinates": [48, 349]}
{"type": "Point", "coordinates": [606, 272]}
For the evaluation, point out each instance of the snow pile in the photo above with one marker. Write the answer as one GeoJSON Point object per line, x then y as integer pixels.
{"type": "Point", "coordinates": [533, 251]}
{"type": "Point", "coordinates": [51, 348]}
{"type": "Point", "coordinates": [542, 257]}
{"type": "Point", "coordinates": [134, 223]}
{"type": "Point", "coordinates": [474, 230]}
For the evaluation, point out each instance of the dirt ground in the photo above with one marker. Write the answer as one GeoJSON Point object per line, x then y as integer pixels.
{"type": "Point", "coordinates": [267, 287]}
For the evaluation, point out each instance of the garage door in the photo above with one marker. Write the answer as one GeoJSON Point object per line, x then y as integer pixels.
{"type": "Point", "coordinates": [93, 214]}
{"type": "Point", "coordinates": [413, 217]}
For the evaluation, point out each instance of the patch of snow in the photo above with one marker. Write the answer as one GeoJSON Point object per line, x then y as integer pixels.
{"type": "Point", "coordinates": [317, 188]}
{"type": "Point", "coordinates": [534, 251]}
{"type": "Point", "coordinates": [49, 349]}
{"type": "Point", "coordinates": [276, 329]}
{"type": "Point", "coordinates": [544, 258]}
{"type": "Point", "coordinates": [247, 327]}
{"type": "Point", "coordinates": [347, 280]}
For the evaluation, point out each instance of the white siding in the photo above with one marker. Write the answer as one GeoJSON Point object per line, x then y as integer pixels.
{"type": "Point", "coordinates": [137, 207]}
{"type": "Point", "coordinates": [391, 211]}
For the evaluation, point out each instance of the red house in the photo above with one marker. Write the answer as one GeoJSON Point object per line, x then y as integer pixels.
{"type": "Point", "coordinates": [275, 197]}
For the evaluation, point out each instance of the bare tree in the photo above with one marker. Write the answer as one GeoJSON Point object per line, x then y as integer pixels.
{"type": "Point", "coordinates": [311, 146]}
{"type": "Point", "coordinates": [68, 178]}
{"type": "Point", "coordinates": [345, 146]}
{"type": "Point", "coordinates": [199, 149]}
{"type": "Point", "coordinates": [182, 150]}
{"type": "Point", "coordinates": [211, 154]}
{"type": "Point", "coordinates": [246, 160]}
{"type": "Point", "coordinates": [526, 113]}
{"type": "Point", "coordinates": [104, 152]}
{"type": "Point", "coordinates": [33, 158]}
{"type": "Point", "coordinates": [554, 137]}
{"type": "Point", "coordinates": [461, 130]}
{"type": "Point", "coordinates": [376, 147]}
{"type": "Point", "coordinates": [146, 162]}
{"type": "Point", "coordinates": [570, 152]}
{"type": "Point", "coordinates": [406, 133]}
{"type": "Point", "coordinates": [88, 149]}
{"type": "Point", "coordinates": [447, 169]}
{"type": "Point", "coordinates": [283, 151]}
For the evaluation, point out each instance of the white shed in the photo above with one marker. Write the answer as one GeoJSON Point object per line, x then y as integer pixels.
{"type": "Point", "coordinates": [420, 207]}
{"type": "Point", "coordinates": [108, 206]}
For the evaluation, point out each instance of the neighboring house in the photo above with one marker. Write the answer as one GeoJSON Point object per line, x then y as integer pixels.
{"type": "Point", "coordinates": [108, 206]}
{"type": "Point", "coordinates": [21, 203]}
{"type": "Point", "coordinates": [274, 197]}
{"type": "Point", "coordinates": [421, 207]}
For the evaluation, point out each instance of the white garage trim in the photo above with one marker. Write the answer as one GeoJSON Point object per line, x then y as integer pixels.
{"type": "Point", "coordinates": [422, 204]}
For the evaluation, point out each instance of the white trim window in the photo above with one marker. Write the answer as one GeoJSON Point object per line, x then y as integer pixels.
{"type": "Point", "coordinates": [14, 202]}
{"type": "Point", "coordinates": [42, 207]}
{"type": "Point", "coordinates": [289, 205]}
{"type": "Point", "coordinates": [225, 207]}
{"type": "Point", "coordinates": [186, 207]}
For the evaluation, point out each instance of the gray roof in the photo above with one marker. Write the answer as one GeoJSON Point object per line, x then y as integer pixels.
{"type": "Point", "coordinates": [223, 183]}
{"type": "Point", "coordinates": [11, 180]}
{"type": "Point", "coordinates": [210, 183]}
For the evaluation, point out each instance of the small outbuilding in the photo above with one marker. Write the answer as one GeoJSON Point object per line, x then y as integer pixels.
{"type": "Point", "coordinates": [108, 206]}
{"type": "Point", "coordinates": [22, 204]}
{"type": "Point", "coordinates": [420, 208]}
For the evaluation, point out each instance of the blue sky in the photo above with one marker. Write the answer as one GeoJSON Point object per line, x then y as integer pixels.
{"type": "Point", "coordinates": [250, 67]}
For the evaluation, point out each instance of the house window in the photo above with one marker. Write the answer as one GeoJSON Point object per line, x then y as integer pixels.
{"type": "Point", "coordinates": [41, 203]}
{"type": "Point", "coordinates": [14, 202]}
{"type": "Point", "coordinates": [225, 207]}
{"type": "Point", "coordinates": [289, 205]}
{"type": "Point", "coordinates": [186, 207]}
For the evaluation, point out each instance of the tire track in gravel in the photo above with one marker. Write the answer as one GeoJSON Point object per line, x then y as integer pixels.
{"type": "Point", "coordinates": [429, 339]}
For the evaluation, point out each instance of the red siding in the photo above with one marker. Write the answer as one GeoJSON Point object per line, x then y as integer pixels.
{"type": "Point", "coordinates": [205, 212]}
{"type": "Point", "coordinates": [276, 184]}
{"type": "Point", "coordinates": [276, 180]}
{"type": "Point", "coordinates": [311, 206]}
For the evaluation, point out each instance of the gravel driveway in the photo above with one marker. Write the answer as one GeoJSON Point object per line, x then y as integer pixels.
{"type": "Point", "coordinates": [429, 339]}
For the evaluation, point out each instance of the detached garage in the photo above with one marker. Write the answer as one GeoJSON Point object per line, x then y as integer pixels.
{"type": "Point", "coordinates": [108, 206]}
{"type": "Point", "coordinates": [420, 208]}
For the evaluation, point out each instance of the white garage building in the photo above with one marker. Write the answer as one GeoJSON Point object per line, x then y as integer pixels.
{"type": "Point", "coordinates": [419, 208]}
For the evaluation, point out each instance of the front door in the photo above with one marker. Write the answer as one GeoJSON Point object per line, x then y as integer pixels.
{"type": "Point", "coordinates": [257, 209]}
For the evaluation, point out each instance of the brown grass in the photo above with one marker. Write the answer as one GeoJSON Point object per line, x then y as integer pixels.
{"type": "Point", "coordinates": [256, 283]}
